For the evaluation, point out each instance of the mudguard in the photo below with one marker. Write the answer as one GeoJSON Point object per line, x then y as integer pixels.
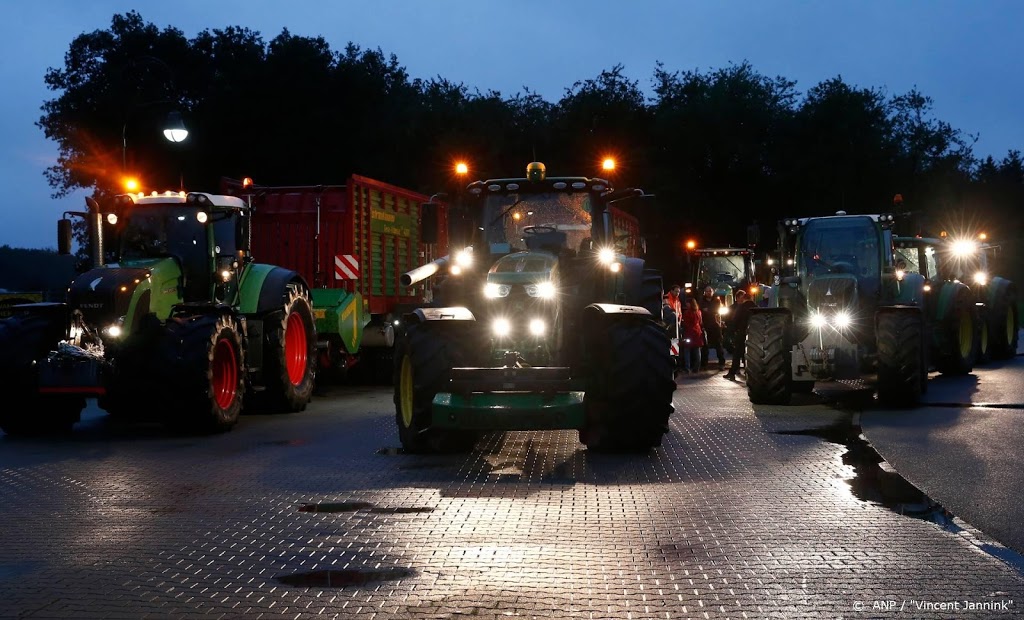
{"type": "Point", "coordinates": [264, 287]}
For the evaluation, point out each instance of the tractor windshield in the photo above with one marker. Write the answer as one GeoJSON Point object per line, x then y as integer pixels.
{"type": "Point", "coordinates": [841, 245]}
{"type": "Point", "coordinates": [715, 270]}
{"type": "Point", "coordinates": [158, 230]}
{"type": "Point", "coordinates": [510, 218]}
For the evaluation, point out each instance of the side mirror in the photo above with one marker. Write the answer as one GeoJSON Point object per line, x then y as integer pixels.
{"type": "Point", "coordinates": [64, 237]}
{"type": "Point", "coordinates": [243, 231]}
{"type": "Point", "coordinates": [429, 222]}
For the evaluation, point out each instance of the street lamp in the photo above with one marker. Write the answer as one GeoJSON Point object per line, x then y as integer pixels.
{"type": "Point", "coordinates": [173, 128]}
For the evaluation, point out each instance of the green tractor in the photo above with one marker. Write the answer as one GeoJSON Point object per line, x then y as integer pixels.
{"type": "Point", "coordinates": [548, 318]}
{"type": "Point", "coordinates": [969, 261]}
{"type": "Point", "coordinates": [173, 321]}
{"type": "Point", "coordinates": [842, 310]}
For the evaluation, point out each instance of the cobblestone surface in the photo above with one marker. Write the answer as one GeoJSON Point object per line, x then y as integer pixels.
{"type": "Point", "coordinates": [726, 519]}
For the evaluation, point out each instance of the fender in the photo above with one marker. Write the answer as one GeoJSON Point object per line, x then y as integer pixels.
{"type": "Point", "coordinates": [632, 278]}
{"type": "Point", "coordinates": [948, 297]}
{"type": "Point", "coordinates": [604, 309]}
{"type": "Point", "coordinates": [262, 287]}
{"type": "Point", "coordinates": [453, 313]}
{"type": "Point", "coordinates": [998, 288]}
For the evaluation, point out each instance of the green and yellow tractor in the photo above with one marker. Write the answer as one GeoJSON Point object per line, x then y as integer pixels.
{"type": "Point", "coordinates": [547, 317]}
{"type": "Point", "coordinates": [174, 321]}
{"type": "Point", "coordinates": [843, 309]}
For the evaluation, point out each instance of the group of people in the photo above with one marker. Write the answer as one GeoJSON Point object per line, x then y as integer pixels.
{"type": "Point", "coordinates": [700, 328]}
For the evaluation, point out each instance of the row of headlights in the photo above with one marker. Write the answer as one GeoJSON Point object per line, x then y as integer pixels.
{"type": "Point", "coordinates": [502, 328]}
{"type": "Point", "coordinates": [542, 290]}
{"type": "Point", "coordinates": [839, 320]}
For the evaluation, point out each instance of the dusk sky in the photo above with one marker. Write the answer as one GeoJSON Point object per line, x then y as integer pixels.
{"type": "Point", "coordinates": [965, 54]}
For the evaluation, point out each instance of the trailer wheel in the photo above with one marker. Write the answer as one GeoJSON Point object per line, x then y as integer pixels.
{"type": "Point", "coordinates": [1005, 326]}
{"type": "Point", "coordinates": [207, 357]}
{"type": "Point", "coordinates": [628, 399]}
{"type": "Point", "coordinates": [423, 360]}
{"type": "Point", "coordinates": [25, 338]}
{"type": "Point", "coordinates": [901, 369]}
{"type": "Point", "coordinates": [289, 354]}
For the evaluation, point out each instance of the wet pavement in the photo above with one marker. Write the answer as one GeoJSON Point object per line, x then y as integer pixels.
{"type": "Point", "coordinates": [745, 512]}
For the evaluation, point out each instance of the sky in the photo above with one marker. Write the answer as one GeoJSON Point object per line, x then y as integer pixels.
{"type": "Point", "coordinates": [965, 54]}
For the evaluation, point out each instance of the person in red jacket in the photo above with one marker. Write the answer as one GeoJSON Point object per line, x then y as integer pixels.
{"type": "Point", "coordinates": [692, 329]}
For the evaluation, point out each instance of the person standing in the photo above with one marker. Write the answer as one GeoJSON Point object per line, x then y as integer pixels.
{"type": "Point", "coordinates": [739, 318]}
{"type": "Point", "coordinates": [693, 335]}
{"type": "Point", "coordinates": [711, 317]}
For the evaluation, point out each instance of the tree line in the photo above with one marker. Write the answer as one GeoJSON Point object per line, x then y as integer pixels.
{"type": "Point", "coordinates": [720, 148]}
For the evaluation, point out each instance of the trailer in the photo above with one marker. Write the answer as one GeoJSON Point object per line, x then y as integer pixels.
{"type": "Point", "coordinates": [351, 242]}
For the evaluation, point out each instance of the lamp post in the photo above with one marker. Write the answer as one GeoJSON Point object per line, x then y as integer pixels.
{"type": "Point", "coordinates": [173, 127]}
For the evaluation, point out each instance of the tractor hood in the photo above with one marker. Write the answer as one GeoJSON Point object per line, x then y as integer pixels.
{"type": "Point", "coordinates": [122, 293]}
{"type": "Point", "coordinates": [523, 268]}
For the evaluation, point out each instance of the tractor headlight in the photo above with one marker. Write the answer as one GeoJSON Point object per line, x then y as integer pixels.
{"type": "Point", "coordinates": [900, 274]}
{"type": "Point", "coordinates": [981, 278]}
{"type": "Point", "coordinates": [723, 310]}
{"type": "Point", "coordinates": [964, 247]}
{"type": "Point", "coordinates": [606, 256]}
{"type": "Point", "coordinates": [464, 258]}
{"type": "Point", "coordinates": [114, 330]}
{"type": "Point", "coordinates": [818, 320]}
{"type": "Point", "coordinates": [544, 290]}
{"type": "Point", "coordinates": [538, 327]}
{"type": "Point", "coordinates": [493, 290]}
{"type": "Point", "coordinates": [842, 320]}
{"type": "Point", "coordinates": [615, 267]}
{"type": "Point", "coordinates": [501, 327]}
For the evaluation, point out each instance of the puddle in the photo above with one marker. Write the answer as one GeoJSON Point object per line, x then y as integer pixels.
{"type": "Point", "coordinates": [367, 506]}
{"type": "Point", "coordinates": [874, 480]}
{"type": "Point", "coordinates": [343, 578]}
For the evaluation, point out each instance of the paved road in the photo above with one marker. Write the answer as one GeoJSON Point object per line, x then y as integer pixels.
{"type": "Point", "coordinates": [965, 455]}
{"type": "Point", "coordinates": [739, 514]}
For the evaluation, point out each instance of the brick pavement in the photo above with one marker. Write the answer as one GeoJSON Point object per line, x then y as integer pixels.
{"type": "Point", "coordinates": [727, 519]}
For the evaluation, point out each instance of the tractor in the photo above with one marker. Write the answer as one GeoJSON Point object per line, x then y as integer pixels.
{"type": "Point", "coordinates": [173, 321]}
{"type": "Point", "coordinates": [842, 309]}
{"type": "Point", "coordinates": [546, 317]}
{"type": "Point", "coordinates": [942, 260]}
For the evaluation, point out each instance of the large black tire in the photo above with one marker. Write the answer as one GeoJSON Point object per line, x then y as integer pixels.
{"type": "Point", "coordinates": [289, 355]}
{"type": "Point", "coordinates": [958, 339]}
{"type": "Point", "coordinates": [628, 399]}
{"type": "Point", "coordinates": [902, 375]}
{"type": "Point", "coordinates": [136, 373]}
{"type": "Point", "coordinates": [769, 373]}
{"type": "Point", "coordinates": [652, 292]}
{"type": "Point", "coordinates": [25, 339]}
{"type": "Point", "coordinates": [1004, 327]}
{"type": "Point", "coordinates": [424, 357]}
{"type": "Point", "coordinates": [983, 341]}
{"type": "Point", "coordinates": [207, 361]}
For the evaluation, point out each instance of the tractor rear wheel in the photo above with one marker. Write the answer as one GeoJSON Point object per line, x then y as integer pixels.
{"type": "Point", "coordinates": [958, 338]}
{"type": "Point", "coordinates": [424, 358]}
{"type": "Point", "coordinates": [289, 355]}
{"type": "Point", "coordinates": [901, 370]}
{"type": "Point", "coordinates": [207, 357]}
{"type": "Point", "coordinates": [1004, 327]}
{"type": "Point", "coordinates": [629, 391]}
{"type": "Point", "coordinates": [25, 339]}
{"type": "Point", "coordinates": [767, 354]}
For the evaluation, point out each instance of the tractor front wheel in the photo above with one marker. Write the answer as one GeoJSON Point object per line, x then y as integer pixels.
{"type": "Point", "coordinates": [289, 355]}
{"type": "Point", "coordinates": [901, 370]}
{"type": "Point", "coordinates": [767, 354]}
{"type": "Point", "coordinates": [629, 391]}
{"type": "Point", "coordinates": [207, 357]}
{"type": "Point", "coordinates": [1004, 327]}
{"type": "Point", "coordinates": [958, 342]}
{"type": "Point", "coordinates": [424, 358]}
